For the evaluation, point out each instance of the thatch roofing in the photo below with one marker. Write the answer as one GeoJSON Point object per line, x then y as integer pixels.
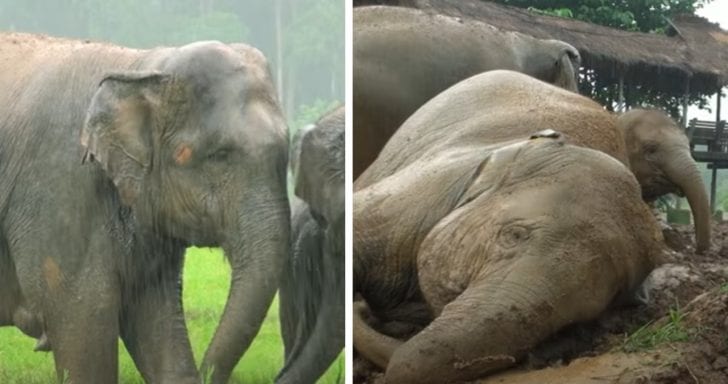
{"type": "Point", "coordinates": [694, 48]}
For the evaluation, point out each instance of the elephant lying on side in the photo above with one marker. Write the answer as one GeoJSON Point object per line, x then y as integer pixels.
{"type": "Point", "coordinates": [182, 146]}
{"type": "Point", "coordinates": [505, 239]}
{"type": "Point", "coordinates": [312, 289]}
{"type": "Point", "coordinates": [403, 57]}
{"type": "Point", "coordinates": [655, 149]}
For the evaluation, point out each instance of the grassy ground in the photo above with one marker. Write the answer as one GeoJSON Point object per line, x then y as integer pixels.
{"type": "Point", "coordinates": [206, 278]}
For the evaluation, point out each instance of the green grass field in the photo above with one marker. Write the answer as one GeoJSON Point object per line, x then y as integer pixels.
{"type": "Point", "coordinates": [206, 281]}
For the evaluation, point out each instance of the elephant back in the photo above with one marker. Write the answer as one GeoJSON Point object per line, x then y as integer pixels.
{"type": "Point", "coordinates": [492, 108]}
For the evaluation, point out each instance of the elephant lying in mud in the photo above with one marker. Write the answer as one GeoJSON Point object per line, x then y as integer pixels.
{"type": "Point", "coordinates": [505, 239]}
{"type": "Point", "coordinates": [403, 57]}
{"type": "Point", "coordinates": [181, 146]}
{"type": "Point", "coordinates": [312, 288]}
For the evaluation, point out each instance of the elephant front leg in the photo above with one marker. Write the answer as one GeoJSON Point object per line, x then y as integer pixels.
{"type": "Point", "coordinates": [84, 334]}
{"type": "Point", "coordinates": [154, 331]}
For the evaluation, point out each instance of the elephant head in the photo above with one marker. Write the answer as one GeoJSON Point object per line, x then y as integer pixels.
{"type": "Point", "coordinates": [539, 235]}
{"type": "Point", "coordinates": [320, 169]}
{"type": "Point", "coordinates": [552, 61]}
{"type": "Point", "coordinates": [659, 156]}
{"type": "Point", "coordinates": [197, 149]}
{"type": "Point", "coordinates": [319, 173]}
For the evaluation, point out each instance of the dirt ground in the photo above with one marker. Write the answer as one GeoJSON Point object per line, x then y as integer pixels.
{"type": "Point", "coordinates": [680, 336]}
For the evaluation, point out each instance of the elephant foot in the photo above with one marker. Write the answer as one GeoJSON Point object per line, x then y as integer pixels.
{"type": "Point", "coordinates": [42, 345]}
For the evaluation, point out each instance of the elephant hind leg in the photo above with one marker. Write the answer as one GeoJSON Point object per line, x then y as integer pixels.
{"type": "Point", "coordinates": [374, 346]}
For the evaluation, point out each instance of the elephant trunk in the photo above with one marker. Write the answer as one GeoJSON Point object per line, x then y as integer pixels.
{"type": "Point", "coordinates": [256, 249]}
{"type": "Point", "coordinates": [492, 324]}
{"type": "Point", "coordinates": [683, 171]}
{"type": "Point", "coordinates": [314, 352]}
{"type": "Point", "coordinates": [568, 78]}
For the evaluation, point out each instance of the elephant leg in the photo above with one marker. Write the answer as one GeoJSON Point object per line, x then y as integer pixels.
{"type": "Point", "coordinates": [325, 334]}
{"type": "Point", "coordinates": [83, 329]}
{"type": "Point", "coordinates": [287, 308]}
{"type": "Point", "coordinates": [301, 290]}
{"type": "Point", "coordinates": [154, 331]}
{"type": "Point", "coordinates": [374, 346]}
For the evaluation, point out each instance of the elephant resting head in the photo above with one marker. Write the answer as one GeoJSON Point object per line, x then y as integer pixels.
{"type": "Point", "coordinates": [544, 235]}
{"type": "Point", "coordinates": [197, 149]}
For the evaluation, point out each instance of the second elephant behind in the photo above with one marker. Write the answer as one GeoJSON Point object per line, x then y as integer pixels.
{"type": "Point", "coordinates": [404, 57]}
{"type": "Point", "coordinates": [312, 289]}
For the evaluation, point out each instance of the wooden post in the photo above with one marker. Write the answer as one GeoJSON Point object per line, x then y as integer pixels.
{"type": "Point", "coordinates": [712, 188]}
{"type": "Point", "coordinates": [685, 104]}
{"type": "Point", "coordinates": [717, 107]}
{"type": "Point", "coordinates": [620, 106]}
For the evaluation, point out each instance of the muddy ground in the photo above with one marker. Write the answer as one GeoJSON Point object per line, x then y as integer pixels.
{"type": "Point", "coordinates": [679, 336]}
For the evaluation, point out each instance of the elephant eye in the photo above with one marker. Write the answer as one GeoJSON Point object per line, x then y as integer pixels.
{"type": "Point", "coordinates": [220, 155]}
{"type": "Point", "coordinates": [513, 235]}
{"type": "Point", "coordinates": [650, 148]}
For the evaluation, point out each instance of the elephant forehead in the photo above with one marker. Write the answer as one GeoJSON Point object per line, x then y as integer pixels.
{"type": "Point", "coordinates": [210, 58]}
{"type": "Point", "coordinates": [566, 173]}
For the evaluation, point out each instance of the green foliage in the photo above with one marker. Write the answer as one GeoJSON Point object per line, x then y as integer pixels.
{"type": "Point", "coordinates": [724, 287]}
{"type": "Point", "coordinates": [633, 15]}
{"type": "Point", "coordinates": [560, 12]}
{"type": "Point", "coordinates": [650, 335]}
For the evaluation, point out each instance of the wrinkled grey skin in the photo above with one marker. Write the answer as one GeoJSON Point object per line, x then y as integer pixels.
{"type": "Point", "coordinates": [659, 155]}
{"type": "Point", "coordinates": [403, 57]}
{"type": "Point", "coordinates": [312, 289]}
{"type": "Point", "coordinates": [503, 238]}
{"type": "Point", "coordinates": [112, 161]}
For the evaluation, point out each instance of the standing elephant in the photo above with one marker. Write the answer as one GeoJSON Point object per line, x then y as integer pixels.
{"type": "Point", "coordinates": [403, 57]}
{"type": "Point", "coordinates": [659, 155]}
{"type": "Point", "coordinates": [312, 290]}
{"type": "Point", "coordinates": [506, 239]}
{"type": "Point", "coordinates": [182, 146]}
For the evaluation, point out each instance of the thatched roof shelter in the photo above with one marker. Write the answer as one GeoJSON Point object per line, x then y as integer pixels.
{"type": "Point", "coordinates": [693, 49]}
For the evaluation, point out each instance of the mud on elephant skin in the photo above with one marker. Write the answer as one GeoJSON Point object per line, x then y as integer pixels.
{"type": "Point", "coordinates": [404, 57]}
{"type": "Point", "coordinates": [312, 287]}
{"type": "Point", "coordinates": [182, 146]}
{"type": "Point", "coordinates": [506, 239]}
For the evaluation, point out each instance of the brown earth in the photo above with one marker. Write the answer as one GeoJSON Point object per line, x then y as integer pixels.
{"type": "Point", "coordinates": [687, 308]}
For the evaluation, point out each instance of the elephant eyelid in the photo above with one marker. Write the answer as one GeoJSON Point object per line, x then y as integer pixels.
{"type": "Point", "coordinates": [513, 235]}
{"type": "Point", "coordinates": [221, 154]}
{"type": "Point", "coordinates": [650, 148]}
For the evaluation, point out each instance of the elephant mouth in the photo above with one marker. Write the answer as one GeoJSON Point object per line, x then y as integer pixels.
{"type": "Point", "coordinates": [659, 187]}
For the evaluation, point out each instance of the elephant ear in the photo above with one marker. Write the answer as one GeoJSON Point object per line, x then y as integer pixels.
{"type": "Point", "coordinates": [117, 132]}
{"type": "Point", "coordinates": [320, 173]}
{"type": "Point", "coordinates": [566, 67]}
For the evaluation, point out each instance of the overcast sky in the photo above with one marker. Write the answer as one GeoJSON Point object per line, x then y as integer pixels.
{"type": "Point", "coordinates": [717, 12]}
